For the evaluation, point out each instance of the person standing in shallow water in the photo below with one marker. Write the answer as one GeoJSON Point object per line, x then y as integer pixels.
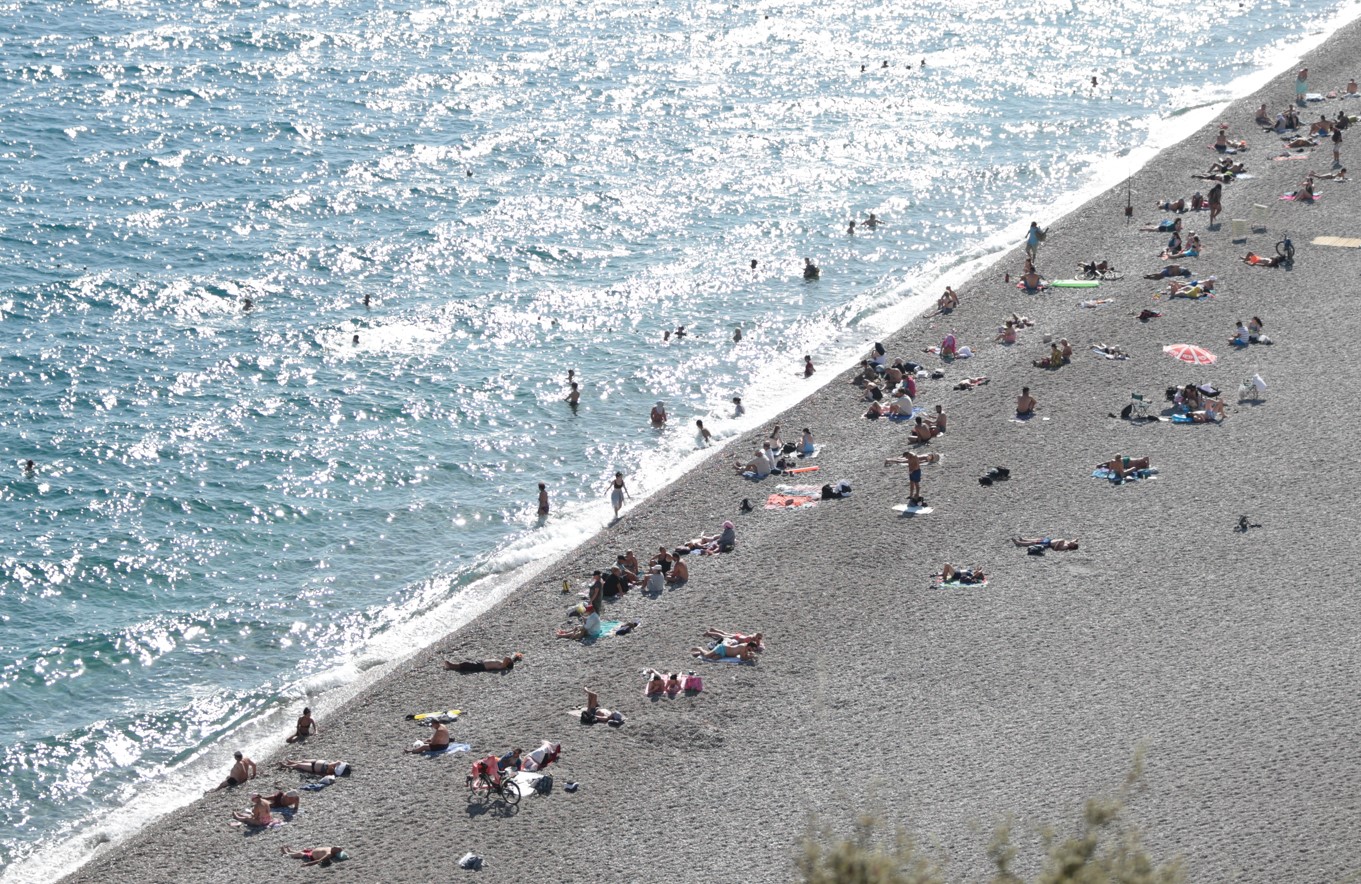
{"type": "Point", "coordinates": [811, 270]}
{"type": "Point", "coordinates": [808, 366]}
{"type": "Point", "coordinates": [543, 499]}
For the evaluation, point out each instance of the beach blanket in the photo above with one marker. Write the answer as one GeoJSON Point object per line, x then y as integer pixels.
{"type": "Point", "coordinates": [1292, 198]}
{"type": "Point", "coordinates": [1293, 156]}
{"type": "Point", "coordinates": [787, 501]}
{"type": "Point", "coordinates": [917, 411]}
{"type": "Point", "coordinates": [954, 584]}
{"type": "Point", "coordinates": [727, 660]}
{"type": "Point", "coordinates": [1130, 475]}
{"type": "Point", "coordinates": [1187, 419]}
{"type": "Point", "coordinates": [528, 782]}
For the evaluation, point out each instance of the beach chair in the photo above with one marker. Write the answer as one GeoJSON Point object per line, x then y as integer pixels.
{"type": "Point", "coordinates": [1260, 213]}
{"type": "Point", "coordinates": [1139, 407]}
{"type": "Point", "coordinates": [1253, 388]}
{"type": "Point", "coordinates": [1239, 228]}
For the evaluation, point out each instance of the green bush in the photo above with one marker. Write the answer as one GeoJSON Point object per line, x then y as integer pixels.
{"type": "Point", "coordinates": [1105, 850]}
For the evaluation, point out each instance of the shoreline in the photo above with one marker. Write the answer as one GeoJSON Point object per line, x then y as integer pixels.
{"type": "Point", "coordinates": [487, 633]}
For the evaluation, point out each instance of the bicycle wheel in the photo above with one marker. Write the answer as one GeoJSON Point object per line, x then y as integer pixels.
{"type": "Point", "coordinates": [510, 791]}
{"type": "Point", "coordinates": [479, 789]}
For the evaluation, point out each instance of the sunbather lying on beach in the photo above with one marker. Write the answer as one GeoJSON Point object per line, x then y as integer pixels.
{"type": "Point", "coordinates": [594, 712]}
{"type": "Point", "coordinates": [315, 855]}
{"type": "Point", "coordinates": [1339, 175]}
{"type": "Point", "coordinates": [1195, 288]}
{"type": "Point", "coordinates": [1299, 141]}
{"type": "Point", "coordinates": [970, 383]}
{"type": "Point", "coordinates": [547, 753]}
{"type": "Point", "coordinates": [1166, 225]}
{"type": "Point", "coordinates": [438, 740]}
{"type": "Point", "coordinates": [317, 766]}
{"type": "Point", "coordinates": [727, 649]}
{"type": "Point", "coordinates": [1212, 412]}
{"type": "Point", "coordinates": [910, 457]}
{"type": "Point", "coordinates": [739, 637]}
{"type": "Point", "coordinates": [1169, 270]}
{"type": "Point", "coordinates": [1095, 302]}
{"type": "Point", "coordinates": [282, 800]}
{"type": "Point", "coordinates": [951, 574]}
{"type": "Point", "coordinates": [505, 663]}
{"type": "Point", "coordinates": [1109, 352]}
{"type": "Point", "coordinates": [1177, 206]}
{"type": "Point", "coordinates": [1263, 261]}
{"type": "Point", "coordinates": [1055, 543]}
{"type": "Point", "coordinates": [659, 683]}
{"type": "Point", "coordinates": [1120, 464]}
{"type": "Point", "coordinates": [259, 812]}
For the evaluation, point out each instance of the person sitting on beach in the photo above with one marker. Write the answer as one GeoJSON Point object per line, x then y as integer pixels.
{"type": "Point", "coordinates": [595, 713]}
{"type": "Point", "coordinates": [759, 466]}
{"type": "Point", "coordinates": [317, 766]}
{"type": "Point", "coordinates": [922, 432]}
{"type": "Point", "coordinates": [1198, 201]}
{"type": "Point", "coordinates": [1169, 270]}
{"type": "Point", "coordinates": [438, 741]}
{"type": "Point", "coordinates": [244, 769]}
{"type": "Point", "coordinates": [1324, 126]}
{"type": "Point", "coordinates": [315, 855]}
{"type": "Point", "coordinates": [307, 725]}
{"type": "Point", "coordinates": [655, 581]}
{"type": "Point", "coordinates": [971, 383]}
{"type": "Point", "coordinates": [1120, 465]}
{"type": "Point", "coordinates": [727, 649]}
{"type": "Point", "coordinates": [494, 665]}
{"type": "Point", "coordinates": [1255, 335]}
{"type": "Point", "coordinates": [1262, 118]}
{"type": "Point", "coordinates": [1025, 404]}
{"type": "Point", "coordinates": [1053, 360]}
{"type": "Point", "coordinates": [806, 445]}
{"type": "Point", "coordinates": [1306, 192]}
{"type": "Point", "coordinates": [1241, 336]}
{"type": "Point", "coordinates": [1178, 205]}
{"type": "Point", "coordinates": [259, 812]}
{"type": "Point", "coordinates": [680, 572]}
{"type": "Point", "coordinates": [969, 576]}
{"type": "Point", "coordinates": [1299, 141]}
{"type": "Point", "coordinates": [1006, 334]}
{"type": "Point", "coordinates": [1031, 281]}
{"type": "Point", "coordinates": [902, 406]}
{"type": "Point", "coordinates": [875, 411]}
{"type": "Point", "coordinates": [948, 301]}
{"type": "Point", "coordinates": [663, 558]}
{"type": "Point", "coordinates": [1054, 543]}
{"type": "Point", "coordinates": [938, 420]}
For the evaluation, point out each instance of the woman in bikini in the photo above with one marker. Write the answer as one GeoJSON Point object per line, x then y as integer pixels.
{"type": "Point", "coordinates": [952, 574]}
{"type": "Point", "coordinates": [723, 650]}
{"type": "Point", "coordinates": [505, 663]}
{"type": "Point", "coordinates": [259, 812]}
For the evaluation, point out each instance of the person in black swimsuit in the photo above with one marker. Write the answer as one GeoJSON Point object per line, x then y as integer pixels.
{"type": "Point", "coordinates": [503, 664]}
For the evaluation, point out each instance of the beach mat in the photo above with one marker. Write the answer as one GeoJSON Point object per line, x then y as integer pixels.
{"type": "Point", "coordinates": [444, 716]}
{"type": "Point", "coordinates": [1341, 242]}
{"type": "Point", "coordinates": [909, 510]}
{"type": "Point", "coordinates": [1131, 476]}
{"type": "Point", "coordinates": [785, 501]}
{"type": "Point", "coordinates": [1075, 283]}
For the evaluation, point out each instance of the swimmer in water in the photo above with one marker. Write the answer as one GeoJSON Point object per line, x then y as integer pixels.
{"type": "Point", "coordinates": [737, 335]}
{"type": "Point", "coordinates": [355, 340]}
{"type": "Point", "coordinates": [851, 228]}
{"type": "Point", "coordinates": [30, 467]}
{"type": "Point", "coordinates": [738, 408]}
{"type": "Point", "coordinates": [574, 396]}
{"type": "Point", "coordinates": [705, 437]}
{"type": "Point", "coordinates": [367, 301]}
{"type": "Point", "coordinates": [808, 366]}
{"type": "Point", "coordinates": [658, 415]}
{"type": "Point", "coordinates": [872, 221]}
{"type": "Point", "coordinates": [811, 270]}
{"type": "Point", "coordinates": [247, 304]}
{"type": "Point", "coordinates": [753, 263]}
{"type": "Point", "coordinates": [680, 332]}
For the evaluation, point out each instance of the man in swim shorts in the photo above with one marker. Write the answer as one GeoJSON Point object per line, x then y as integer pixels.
{"type": "Point", "coordinates": [1025, 403]}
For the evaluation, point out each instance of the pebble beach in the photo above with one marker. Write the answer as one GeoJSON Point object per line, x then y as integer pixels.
{"type": "Point", "coordinates": [1227, 656]}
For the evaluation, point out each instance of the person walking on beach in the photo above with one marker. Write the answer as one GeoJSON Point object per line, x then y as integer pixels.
{"type": "Point", "coordinates": [1033, 237]}
{"type": "Point", "coordinates": [244, 769]}
{"type": "Point", "coordinates": [543, 499]}
{"type": "Point", "coordinates": [1025, 404]}
{"type": "Point", "coordinates": [1214, 199]}
{"type": "Point", "coordinates": [307, 725]}
{"type": "Point", "coordinates": [617, 492]}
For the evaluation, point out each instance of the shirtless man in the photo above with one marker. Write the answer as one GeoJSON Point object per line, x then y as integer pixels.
{"type": "Point", "coordinates": [922, 432]}
{"type": "Point", "coordinates": [705, 437]}
{"type": "Point", "coordinates": [317, 766]}
{"type": "Point", "coordinates": [438, 740]}
{"type": "Point", "coordinates": [574, 397]}
{"type": "Point", "coordinates": [594, 712]}
{"type": "Point", "coordinates": [1120, 465]}
{"type": "Point", "coordinates": [282, 800]}
{"type": "Point", "coordinates": [307, 725]}
{"type": "Point", "coordinates": [244, 769]}
{"type": "Point", "coordinates": [938, 420]}
{"type": "Point", "coordinates": [1055, 543]}
{"type": "Point", "coordinates": [259, 812]}
{"type": "Point", "coordinates": [947, 301]}
{"type": "Point", "coordinates": [1025, 403]}
{"type": "Point", "coordinates": [1030, 280]}
{"type": "Point", "coordinates": [680, 572]}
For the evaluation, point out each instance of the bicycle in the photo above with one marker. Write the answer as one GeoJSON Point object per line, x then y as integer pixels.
{"type": "Point", "coordinates": [1286, 249]}
{"type": "Point", "coordinates": [482, 788]}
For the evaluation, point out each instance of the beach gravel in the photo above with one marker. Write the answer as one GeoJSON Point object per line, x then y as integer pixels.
{"type": "Point", "coordinates": [1229, 656]}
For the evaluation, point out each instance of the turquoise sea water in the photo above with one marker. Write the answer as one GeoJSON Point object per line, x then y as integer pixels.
{"type": "Point", "coordinates": [234, 508]}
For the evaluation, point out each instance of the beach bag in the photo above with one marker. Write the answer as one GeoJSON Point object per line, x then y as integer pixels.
{"type": "Point", "coordinates": [789, 448]}
{"type": "Point", "coordinates": [1127, 411]}
{"type": "Point", "coordinates": [841, 489]}
{"type": "Point", "coordinates": [827, 492]}
{"type": "Point", "coordinates": [692, 683]}
{"type": "Point", "coordinates": [1035, 549]}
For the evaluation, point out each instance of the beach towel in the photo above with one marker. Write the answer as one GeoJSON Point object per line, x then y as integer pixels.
{"type": "Point", "coordinates": [1292, 198]}
{"type": "Point", "coordinates": [786, 501]}
{"type": "Point", "coordinates": [606, 628]}
{"type": "Point", "coordinates": [726, 660]}
{"type": "Point", "coordinates": [1293, 156]}
{"type": "Point", "coordinates": [529, 781]}
{"type": "Point", "coordinates": [954, 584]}
{"type": "Point", "coordinates": [1187, 419]}
{"type": "Point", "coordinates": [917, 411]}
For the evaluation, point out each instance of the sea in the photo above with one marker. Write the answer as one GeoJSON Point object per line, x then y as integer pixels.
{"type": "Point", "coordinates": [291, 291]}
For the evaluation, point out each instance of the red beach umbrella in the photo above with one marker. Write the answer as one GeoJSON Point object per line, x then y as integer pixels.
{"type": "Point", "coordinates": [1190, 353]}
